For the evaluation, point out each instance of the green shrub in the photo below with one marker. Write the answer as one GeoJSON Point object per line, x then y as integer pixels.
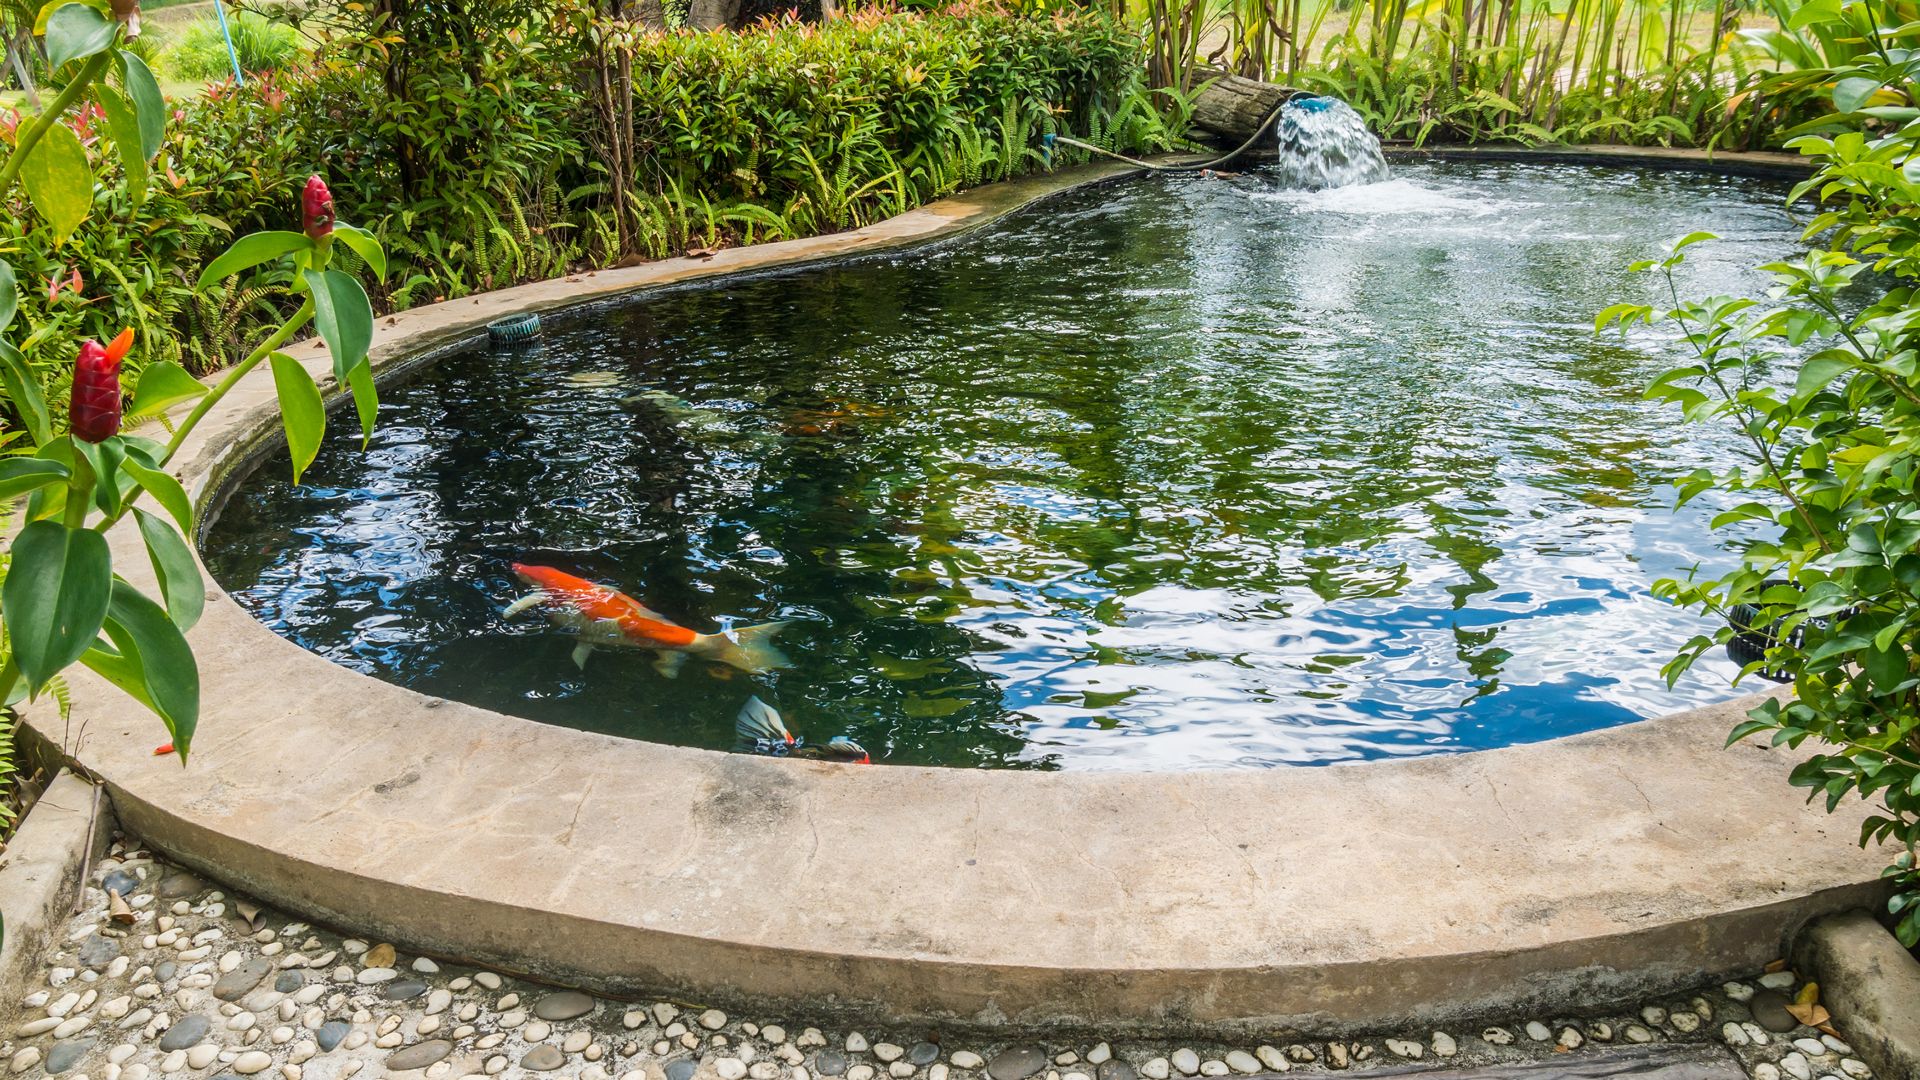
{"type": "Point", "coordinates": [1822, 380]}
{"type": "Point", "coordinates": [262, 44]}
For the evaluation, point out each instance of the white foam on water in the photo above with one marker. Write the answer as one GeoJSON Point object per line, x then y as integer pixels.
{"type": "Point", "coordinates": [1388, 197]}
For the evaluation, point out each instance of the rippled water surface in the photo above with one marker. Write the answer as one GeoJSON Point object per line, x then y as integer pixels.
{"type": "Point", "coordinates": [1177, 473]}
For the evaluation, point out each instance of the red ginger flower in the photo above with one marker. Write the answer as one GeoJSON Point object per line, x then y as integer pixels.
{"type": "Point", "coordinates": [94, 411]}
{"type": "Point", "coordinates": [316, 209]}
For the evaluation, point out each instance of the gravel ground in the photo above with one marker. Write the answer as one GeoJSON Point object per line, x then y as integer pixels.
{"type": "Point", "coordinates": [186, 982]}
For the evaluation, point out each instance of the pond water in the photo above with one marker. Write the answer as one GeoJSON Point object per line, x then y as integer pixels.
{"type": "Point", "coordinates": [1175, 473]}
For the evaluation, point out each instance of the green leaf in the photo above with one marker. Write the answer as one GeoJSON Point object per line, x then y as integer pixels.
{"type": "Point", "coordinates": [302, 414]}
{"type": "Point", "coordinates": [145, 635]}
{"type": "Point", "coordinates": [9, 294]}
{"type": "Point", "coordinates": [344, 317]}
{"type": "Point", "coordinates": [23, 390]}
{"type": "Point", "coordinates": [366, 245]}
{"type": "Point", "coordinates": [103, 459]}
{"type": "Point", "coordinates": [173, 566]}
{"type": "Point", "coordinates": [1851, 93]}
{"type": "Point", "coordinates": [136, 78]}
{"type": "Point", "coordinates": [55, 596]}
{"type": "Point", "coordinates": [119, 671]}
{"type": "Point", "coordinates": [75, 32]}
{"type": "Point", "coordinates": [1691, 239]}
{"type": "Point", "coordinates": [20, 475]}
{"type": "Point", "coordinates": [252, 250]}
{"type": "Point", "coordinates": [366, 400]}
{"type": "Point", "coordinates": [1817, 372]}
{"type": "Point", "coordinates": [59, 180]}
{"type": "Point", "coordinates": [165, 490]}
{"type": "Point", "coordinates": [125, 125]}
{"type": "Point", "coordinates": [163, 384]}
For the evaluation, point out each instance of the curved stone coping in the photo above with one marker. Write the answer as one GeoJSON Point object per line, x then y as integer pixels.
{"type": "Point", "coordinates": [1590, 869]}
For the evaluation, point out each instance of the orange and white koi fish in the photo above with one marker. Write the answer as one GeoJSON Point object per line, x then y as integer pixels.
{"type": "Point", "coordinates": [607, 618]}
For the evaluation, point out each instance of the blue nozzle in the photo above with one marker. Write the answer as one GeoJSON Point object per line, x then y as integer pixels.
{"type": "Point", "coordinates": [1317, 103]}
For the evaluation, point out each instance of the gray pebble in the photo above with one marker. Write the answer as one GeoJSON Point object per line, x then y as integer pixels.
{"type": "Point", "coordinates": [65, 1055]}
{"type": "Point", "coordinates": [419, 1055]}
{"type": "Point", "coordinates": [188, 1031]}
{"type": "Point", "coordinates": [178, 885]}
{"type": "Point", "coordinates": [564, 1005]}
{"type": "Point", "coordinates": [1115, 1069]}
{"type": "Point", "coordinates": [290, 981]}
{"type": "Point", "coordinates": [237, 983]}
{"type": "Point", "coordinates": [404, 989]}
{"type": "Point", "coordinates": [1016, 1063]}
{"type": "Point", "coordinates": [681, 1068]}
{"type": "Point", "coordinates": [543, 1059]}
{"type": "Point", "coordinates": [1770, 1011]}
{"type": "Point", "coordinates": [923, 1053]}
{"type": "Point", "coordinates": [826, 1063]}
{"type": "Point", "coordinates": [330, 1034]}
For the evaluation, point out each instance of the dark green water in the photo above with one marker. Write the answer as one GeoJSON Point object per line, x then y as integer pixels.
{"type": "Point", "coordinates": [1180, 473]}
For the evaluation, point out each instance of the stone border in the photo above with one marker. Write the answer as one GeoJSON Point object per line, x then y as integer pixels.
{"type": "Point", "coordinates": [1588, 870]}
{"type": "Point", "coordinates": [40, 878]}
{"type": "Point", "coordinates": [1766, 165]}
{"type": "Point", "coordinates": [1872, 984]}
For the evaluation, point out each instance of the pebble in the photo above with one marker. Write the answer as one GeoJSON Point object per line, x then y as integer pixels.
{"type": "Point", "coordinates": [1114, 1069]}
{"type": "Point", "coordinates": [374, 976]}
{"type": "Point", "coordinates": [1443, 1044]}
{"type": "Point", "coordinates": [577, 1042]}
{"type": "Point", "coordinates": [1497, 1036]}
{"type": "Point", "coordinates": [860, 1072]}
{"type": "Point", "coordinates": [1570, 1039]}
{"type": "Point", "coordinates": [1685, 1022]}
{"type": "Point", "coordinates": [1769, 1009]}
{"type": "Point", "coordinates": [1405, 1048]}
{"type": "Point", "coordinates": [565, 1005]}
{"type": "Point", "coordinates": [1779, 980]}
{"type": "Point", "coordinates": [330, 1034]}
{"type": "Point", "coordinates": [900, 1070]}
{"type": "Point", "coordinates": [1637, 1034]}
{"type": "Point", "coordinates": [1766, 1070]}
{"type": "Point", "coordinates": [189, 1030]}
{"type": "Point", "coordinates": [713, 1019]}
{"type": "Point", "coordinates": [66, 1055]}
{"type": "Point", "coordinates": [1186, 1061]}
{"type": "Point", "coordinates": [1095, 1056]}
{"type": "Point", "coordinates": [1242, 1062]}
{"type": "Point", "coordinates": [1797, 1066]}
{"type": "Point", "coordinates": [1538, 1031]}
{"type": "Point", "coordinates": [543, 1059]}
{"type": "Point", "coordinates": [886, 1051]}
{"type": "Point", "coordinates": [201, 1055]}
{"type": "Point", "coordinates": [830, 1063]}
{"type": "Point", "coordinates": [419, 1055]}
{"type": "Point", "coordinates": [1156, 1069]}
{"type": "Point", "coordinates": [536, 1031]}
{"type": "Point", "coordinates": [966, 1059]}
{"type": "Point", "coordinates": [25, 1058]}
{"type": "Point", "coordinates": [487, 979]}
{"type": "Point", "coordinates": [1336, 1055]}
{"type": "Point", "coordinates": [1855, 1068]}
{"type": "Point", "coordinates": [251, 1062]}
{"type": "Point", "coordinates": [1738, 991]}
{"type": "Point", "coordinates": [1734, 1035]}
{"type": "Point", "coordinates": [1273, 1059]}
{"type": "Point", "coordinates": [1014, 1063]}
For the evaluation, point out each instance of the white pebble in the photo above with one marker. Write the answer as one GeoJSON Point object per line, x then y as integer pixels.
{"type": "Point", "coordinates": [1443, 1044]}
{"type": "Point", "coordinates": [1498, 1036]}
{"type": "Point", "coordinates": [966, 1059]}
{"type": "Point", "coordinates": [251, 1062]}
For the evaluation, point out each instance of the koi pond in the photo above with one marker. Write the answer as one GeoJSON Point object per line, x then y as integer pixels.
{"type": "Point", "coordinates": [1180, 472]}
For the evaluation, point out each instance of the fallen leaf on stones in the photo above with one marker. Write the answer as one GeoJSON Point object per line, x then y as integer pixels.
{"type": "Point", "coordinates": [163, 750]}
{"type": "Point", "coordinates": [1808, 994]}
{"type": "Point", "coordinates": [702, 252]}
{"type": "Point", "coordinates": [247, 909]}
{"type": "Point", "coordinates": [1827, 1029]}
{"type": "Point", "coordinates": [380, 956]}
{"type": "Point", "coordinates": [1777, 965]}
{"type": "Point", "coordinates": [117, 908]}
{"type": "Point", "coordinates": [1810, 1015]}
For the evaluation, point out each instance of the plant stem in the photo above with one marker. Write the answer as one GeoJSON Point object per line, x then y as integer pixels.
{"type": "Point", "coordinates": [279, 337]}
{"type": "Point", "coordinates": [85, 77]}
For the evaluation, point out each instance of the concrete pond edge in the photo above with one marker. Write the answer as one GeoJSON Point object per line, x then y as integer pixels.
{"type": "Point", "coordinates": [41, 876]}
{"type": "Point", "coordinates": [1581, 872]}
{"type": "Point", "coordinates": [1871, 983]}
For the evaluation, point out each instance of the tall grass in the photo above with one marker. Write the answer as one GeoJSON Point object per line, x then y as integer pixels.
{"type": "Point", "coordinates": [1631, 71]}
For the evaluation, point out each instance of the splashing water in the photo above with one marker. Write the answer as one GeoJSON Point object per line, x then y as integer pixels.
{"type": "Point", "coordinates": [1324, 143]}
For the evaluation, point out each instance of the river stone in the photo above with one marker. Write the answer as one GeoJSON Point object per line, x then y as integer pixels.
{"type": "Point", "coordinates": [1016, 1063]}
{"type": "Point", "coordinates": [190, 1030]}
{"type": "Point", "coordinates": [290, 981]}
{"type": "Point", "coordinates": [1115, 1069]}
{"type": "Point", "coordinates": [543, 1059]}
{"type": "Point", "coordinates": [404, 989]}
{"type": "Point", "coordinates": [923, 1053]}
{"type": "Point", "coordinates": [1770, 1011]}
{"type": "Point", "coordinates": [681, 1068]}
{"type": "Point", "coordinates": [97, 952]}
{"type": "Point", "coordinates": [826, 1063]}
{"type": "Point", "coordinates": [121, 882]}
{"type": "Point", "coordinates": [237, 983]}
{"type": "Point", "coordinates": [65, 1055]}
{"type": "Point", "coordinates": [178, 885]}
{"type": "Point", "coordinates": [419, 1055]}
{"type": "Point", "coordinates": [330, 1034]}
{"type": "Point", "coordinates": [564, 1005]}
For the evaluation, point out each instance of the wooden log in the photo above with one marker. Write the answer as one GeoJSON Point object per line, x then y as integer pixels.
{"type": "Point", "coordinates": [1233, 108]}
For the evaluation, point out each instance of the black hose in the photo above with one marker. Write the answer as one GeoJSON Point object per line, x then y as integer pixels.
{"type": "Point", "coordinates": [1288, 94]}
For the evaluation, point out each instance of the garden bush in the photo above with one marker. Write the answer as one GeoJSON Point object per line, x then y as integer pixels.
{"type": "Point", "coordinates": [1822, 378]}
